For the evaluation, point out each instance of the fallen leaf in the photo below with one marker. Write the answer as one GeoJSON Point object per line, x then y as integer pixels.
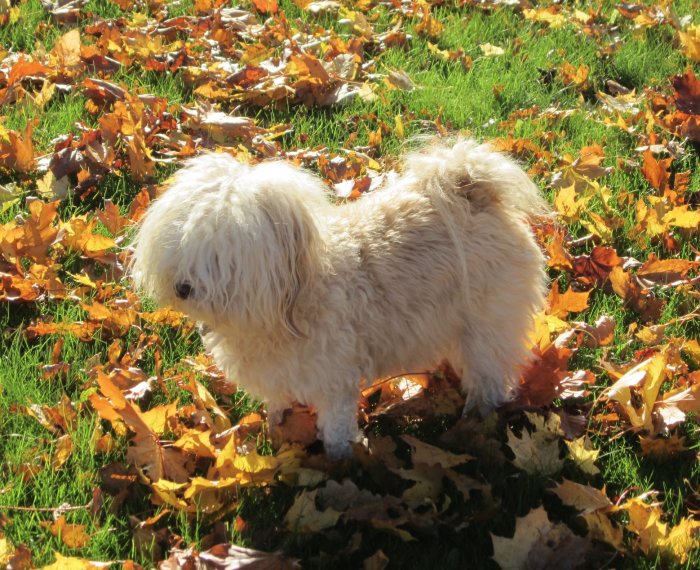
{"type": "Point", "coordinates": [538, 543]}
{"type": "Point", "coordinates": [582, 497]}
{"type": "Point", "coordinates": [583, 454]}
{"type": "Point", "coordinates": [537, 453]}
{"type": "Point", "coordinates": [304, 516]}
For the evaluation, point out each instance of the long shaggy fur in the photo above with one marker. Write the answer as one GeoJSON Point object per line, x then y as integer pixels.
{"type": "Point", "coordinates": [303, 300]}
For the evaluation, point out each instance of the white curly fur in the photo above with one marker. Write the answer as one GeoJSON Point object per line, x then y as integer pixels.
{"type": "Point", "coordinates": [303, 300]}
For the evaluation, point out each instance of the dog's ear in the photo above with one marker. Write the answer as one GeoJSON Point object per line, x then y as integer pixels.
{"type": "Point", "coordinates": [299, 253]}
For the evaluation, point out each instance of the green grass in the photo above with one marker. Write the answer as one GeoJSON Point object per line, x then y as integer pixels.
{"type": "Point", "coordinates": [466, 100]}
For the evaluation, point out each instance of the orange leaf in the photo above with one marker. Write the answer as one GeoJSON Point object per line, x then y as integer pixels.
{"type": "Point", "coordinates": [72, 535]}
{"type": "Point", "coordinates": [561, 304]}
{"type": "Point", "coordinates": [266, 6]}
{"type": "Point", "coordinates": [17, 153]}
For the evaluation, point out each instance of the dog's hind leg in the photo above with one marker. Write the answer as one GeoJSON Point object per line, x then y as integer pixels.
{"type": "Point", "coordinates": [337, 424]}
{"type": "Point", "coordinates": [492, 356]}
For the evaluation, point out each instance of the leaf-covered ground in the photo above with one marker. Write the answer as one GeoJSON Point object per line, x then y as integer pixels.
{"type": "Point", "coordinates": [122, 444]}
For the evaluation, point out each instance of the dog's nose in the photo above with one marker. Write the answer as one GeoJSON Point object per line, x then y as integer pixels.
{"type": "Point", "coordinates": [183, 290]}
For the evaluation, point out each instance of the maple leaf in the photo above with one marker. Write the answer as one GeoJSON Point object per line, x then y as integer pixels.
{"type": "Point", "coordinates": [422, 452]}
{"type": "Point", "coordinates": [582, 497]}
{"type": "Point", "coordinates": [304, 516]}
{"type": "Point", "coordinates": [72, 535]}
{"type": "Point", "coordinates": [655, 535]}
{"type": "Point", "coordinates": [690, 40]}
{"type": "Point", "coordinates": [639, 298]}
{"type": "Point", "coordinates": [663, 449]}
{"type": "Point", "coordinates": [298, 425]}
{"type": "Point", "coordinates": [550, 15]}
{"type": "Point", "coordinates": [33, 238]}
{"type": "Point", "coordinates": [582, 453]}
{"type": "Point", "coordinates": [537, 543]}
{"type": "Point", "coordinates": [561, 304]}
{"type": "Point", "coordinates": [537, 453]}
{"type": "Point", "coordinates": [601, 528]}
{"type": "Point", "coordinates": [66, 53]}
{"type": "Point", "coordinates": [17, 150]}
{"type": "Point", "coordinates": [146, 450]}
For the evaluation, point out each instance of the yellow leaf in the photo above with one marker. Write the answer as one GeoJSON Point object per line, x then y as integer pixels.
{"type": "Point", "coordinates": [72, 563]}
{"type": "Point", "coordinates": [6, 550]}
{"type": "Point", "coordinates": [196, 442]}
{"type": "Point", "coordinates": [569, 204]}
{"type": "Point", "coordinates": [582, 497]}
{"type": "Point", "coordinates": [201, 484]}
{"type": "Point", "coordinates": [537, 453]}
{"type": "Point", "coordinates": [691, 350]}
{"type": "Point", "coordinates": [582, 453]}
{"type": "Point", "coordinates": [64, 449]}
{"type": "Point", "coordinates": [157, 418]}
{"type": "Point", "coordinates": [254, 463]}
{"type": "Point", "coordinates": [690, 40]}
{"type": "Point", "coordinates": [550, 17]}
{"type": "Point", "coordinates": [490, 50]}
{"type": "Point", "coordinates": [645, 521]}
{"type": "Point", "coordinates": [683, 538]}
{"type": "Point", "coordinates": [647, 377]}
{"type": "Point", "coordinates": [681, 217]}
{"type": "Point", "coordinates": [601, 528]}
{"type": "Point", "coordinates": [544, 327]}
{"type": "Point", "coordinates": [166, 492]}
{"type": "Point", "coordinates": [399, 128]}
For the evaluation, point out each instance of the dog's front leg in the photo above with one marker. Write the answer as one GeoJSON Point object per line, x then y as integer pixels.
{"type": "Point", "coordinates": [337, 425]}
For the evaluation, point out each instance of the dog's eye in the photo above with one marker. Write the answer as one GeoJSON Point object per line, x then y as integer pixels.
{"type": "Point", "coordinates": [183, 290]}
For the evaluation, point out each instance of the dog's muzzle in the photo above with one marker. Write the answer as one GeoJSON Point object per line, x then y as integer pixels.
{"type": "Point", "coordinates": [183, 290]}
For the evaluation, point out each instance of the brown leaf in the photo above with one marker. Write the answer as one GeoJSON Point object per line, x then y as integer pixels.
{"type": "Point", "coordinates": [657, 172]}
{"type": "Point", "coordinates": [593, 269]}
{"type": "Point", "coordinates": [687, 96]}
{"type": "Point", "coordinates": [422, 452]}
{"type": "Point", "coordinates": [663, 449]}
{"type": "Point", "coordinates": [539, 544]}
{"type": "Point", "coordinates": [298, 425]}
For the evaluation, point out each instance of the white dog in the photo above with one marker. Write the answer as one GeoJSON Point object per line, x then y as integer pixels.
{"type": "Point", "coordinates": [304, 300]}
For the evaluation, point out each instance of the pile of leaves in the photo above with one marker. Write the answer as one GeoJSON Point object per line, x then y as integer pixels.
{"type": "Point", "coordinates": [613, 355]}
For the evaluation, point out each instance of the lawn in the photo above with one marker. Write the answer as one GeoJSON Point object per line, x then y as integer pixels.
{"type": "Point", "coordinates": [121, 442]}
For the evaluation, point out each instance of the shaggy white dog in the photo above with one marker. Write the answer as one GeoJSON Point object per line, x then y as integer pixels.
{"type": "Point", "coordinates": [303, 300]}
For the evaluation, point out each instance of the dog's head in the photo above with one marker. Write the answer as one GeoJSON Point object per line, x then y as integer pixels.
{"type": "Point", "coordinates": [232, 243]}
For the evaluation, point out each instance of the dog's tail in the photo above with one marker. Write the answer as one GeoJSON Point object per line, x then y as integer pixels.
{"type": "Point", "coordinates": [478, 172]}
